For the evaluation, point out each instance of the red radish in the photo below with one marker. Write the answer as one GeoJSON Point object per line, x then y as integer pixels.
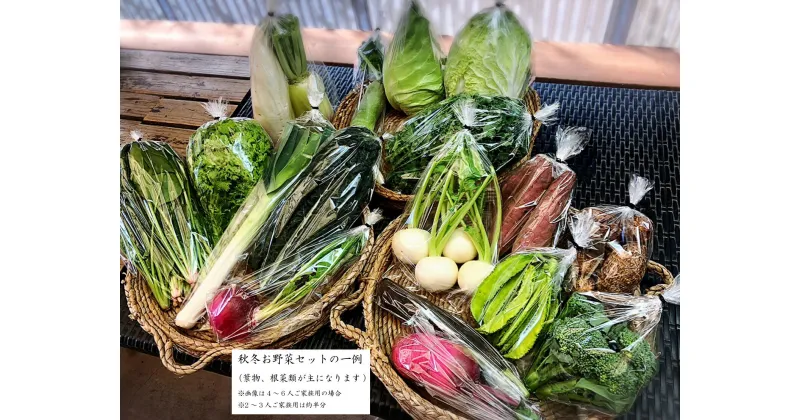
{"type": "Point", "coordinates": [433, 361]}
{"type": "Point", "coordinates": [230, 313]}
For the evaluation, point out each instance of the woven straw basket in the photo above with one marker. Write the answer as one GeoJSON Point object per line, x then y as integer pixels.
{"type": "Point", "coordinates": [394, 120]}
{"type": "Point", "coordinates": [203, 344]}
{"type": "Point", "coordinates": [382, 329]}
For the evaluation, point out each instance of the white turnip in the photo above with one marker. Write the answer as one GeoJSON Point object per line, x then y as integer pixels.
{"type": "Point", "coordinates": [410, 245]}
{"type": "Point", "coordinates": [436, 274]}
{"type": "Point", "coordinates": [459, 247]}
{"type": "Point", "coordinates": [472, 273]}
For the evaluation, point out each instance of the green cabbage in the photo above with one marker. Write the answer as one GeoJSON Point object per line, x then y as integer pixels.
{"type": "Point", "coordinates": [226, 158]}
{"type": "Point", "coordinates": [412, 71]}
{"type": "Point", "coordinates": [491, 55]}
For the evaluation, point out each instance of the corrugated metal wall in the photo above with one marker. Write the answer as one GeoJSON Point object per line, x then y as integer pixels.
{"type": "Point", "coordinates": [628, 22]}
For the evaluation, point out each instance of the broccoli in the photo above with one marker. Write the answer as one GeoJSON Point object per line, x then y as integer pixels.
{"type": "Point", "coordinates": [586, 359]}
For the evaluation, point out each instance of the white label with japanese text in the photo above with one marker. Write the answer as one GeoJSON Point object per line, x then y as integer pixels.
{"type": "Point", "coordinates": [300, 382]}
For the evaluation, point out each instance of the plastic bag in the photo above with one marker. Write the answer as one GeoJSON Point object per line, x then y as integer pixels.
{"type": "Point", "coordinates": [615, 244]}
{"type": "Point", "coordinates": [368, 78]}
{"type": "Point", "coordinates": [490, 55]}
{"type": "Point", "coordinates": [264, 298]}
{"type": "Point", "coordinates": [673, 293]}
{"type": "Point", "coordinates": [537, 195]}
{"type": "Point", "coordinates": [284, 85]}
{"type": "Point", "coordinates": [301, 200]}
{"type": "Point", "coordinates": [599, 352]}
{"type": "Point", "coordinates": [502, 126]}
{"type": "Point", "coordinates": [413, 67]}
{"type": "Point", "coordinates": [161, 228]}
{"type": "Point", "coordinates": [520, 298]}
{"type": "Point", "coordinates": [452, 361]}
{"type": "Point", "coordinates": [225, 158]}
{"type": "Point", "coordinates": [454, 217]}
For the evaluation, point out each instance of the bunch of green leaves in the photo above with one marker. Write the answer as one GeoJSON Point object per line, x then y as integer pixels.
{"type": "Point", "coordinates": [369, 71]}
{"type": "Point", "coordinates": [226, 158]}
{"type": "Point", "coordinates": [502, 127]}
{"type": "Point", "coordinates": [518, 299]}
{"type": "Point", "coordinates": [459, 189]}
{"type": "Point", "coordinates": [491, 55]}
{"type": "Point", "coordinates": [413, 68]}
{"type": "Point", "coordinates": [594, 356]}
{"type": "Point", "coordinates": [162, 233]}
{"type": "Point", "coordinates": [298, 279]}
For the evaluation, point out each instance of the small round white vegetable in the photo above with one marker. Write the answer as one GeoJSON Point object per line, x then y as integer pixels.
{"type": "Point", "coordinates": [435, 274]}
{"type": "Point", "coordinates": [410, 245]}
{"type": "Point", "coordinates": [472, 273]}
{"type": "Point", "coordinates": [459, 247]}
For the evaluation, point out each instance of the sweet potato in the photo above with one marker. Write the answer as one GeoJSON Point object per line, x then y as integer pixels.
{"type": "Point", "coordinates": [541, 225]}
{"type": "Point", "coordinates": [520, 192]}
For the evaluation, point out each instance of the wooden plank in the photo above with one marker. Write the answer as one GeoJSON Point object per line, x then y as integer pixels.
{"type": "Point", "coordinates": [188, 113]}
{"type": "Point", "coordinates": [182, 86]}
{"type": "Point", "coordinates": [178, 138]}
{"type": "Point", "coordinates": [136, 105]}
{"type": "Point", "coordinates": [554, 61]}
{"type": "Point", "coordinates": [200, 64]}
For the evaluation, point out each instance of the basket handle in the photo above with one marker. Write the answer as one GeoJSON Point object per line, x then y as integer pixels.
{"type": "Point", "coordinates": [666, 278]}
{"type": "Point", "coordinates": [357, 336]}
{"type": "Point", "coordinates": [167, 355]}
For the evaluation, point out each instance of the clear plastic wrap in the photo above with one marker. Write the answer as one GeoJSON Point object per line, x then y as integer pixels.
{"type": "Point", "coordinates": [615, 243]}
{"type": "Point", "coordinates": [514, 305]}
{"type": "Point", "coordinates": [308, 195]}
{"type": "Point", "coordinates": [537, 195]}
{"type": "Point", "coordinates": [455, 215]}
{"type": "Point", "coordinates": [673, 293]}
{"type": "Point", "coordinates": [368, 77]}
{"type": "Point", "coordinates": [490, 55]}
{"type": "Point", "coordinates": [263, 298]}
{"type": "Point", "coordinates": [162, 233]}
{"type": "Point", "coordinates": [599, 353]}
{"type": "Point", "coordinates": [226, 157]}
{"type": "Point", "coordinates": [452, 361]}
{"type": "Point", "coordinates": [413, 67]}
{"type": "Point", "coordinates": [502, 126]}
{"type": "Point", "coordinates": [284, 85]}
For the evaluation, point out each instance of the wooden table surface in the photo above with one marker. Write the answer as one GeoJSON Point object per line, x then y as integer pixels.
{"type": "Point", "coordinates": [161, 93]}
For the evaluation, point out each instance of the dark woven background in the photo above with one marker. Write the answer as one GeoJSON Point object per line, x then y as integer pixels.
{"type": "Point", "coordinates": [633, 131]}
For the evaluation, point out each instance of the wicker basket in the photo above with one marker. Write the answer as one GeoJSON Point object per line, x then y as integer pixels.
{"type": "Point", "coordinates": [382, 329]}
{"type": "Point", "coordinates": [203, 344]}
{"type": "Point", "coordinates": [391, 124]}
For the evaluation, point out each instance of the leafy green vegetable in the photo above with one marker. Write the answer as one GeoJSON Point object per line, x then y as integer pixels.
{"type": "Point", "coordinates": [298, 144]}
{"type": "Point", "coordinates": [162, 233]}
{"type": "Point", "coordinates": [226, 157]}
{"type": "Point", "coordinates": [412, 70]}
{"type": "Point", "coordinates": [459, 189]}
{"type": "Point", "coordinates": [324, 259]}
{"type": "Point", "coordinates": [502, 126]}
{"type": "Point", "coordinates": [593, 356]}
{"type": "Point", "coordinates": [330, 197]}
{"type": "Point", "coordinates": [306, 89]}
{"type": "Point", "coordinates": [491, 55]}
{"type": "Point", "coordinates": [370, 59]}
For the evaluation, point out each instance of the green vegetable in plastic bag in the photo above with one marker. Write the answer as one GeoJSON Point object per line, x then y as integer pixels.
{"type": "Point", "coordinates": [226, 157]}
{"type": "Point", "coordinates": [491, 55]}
{"type": "Point", "coordinates": [412, 71]}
